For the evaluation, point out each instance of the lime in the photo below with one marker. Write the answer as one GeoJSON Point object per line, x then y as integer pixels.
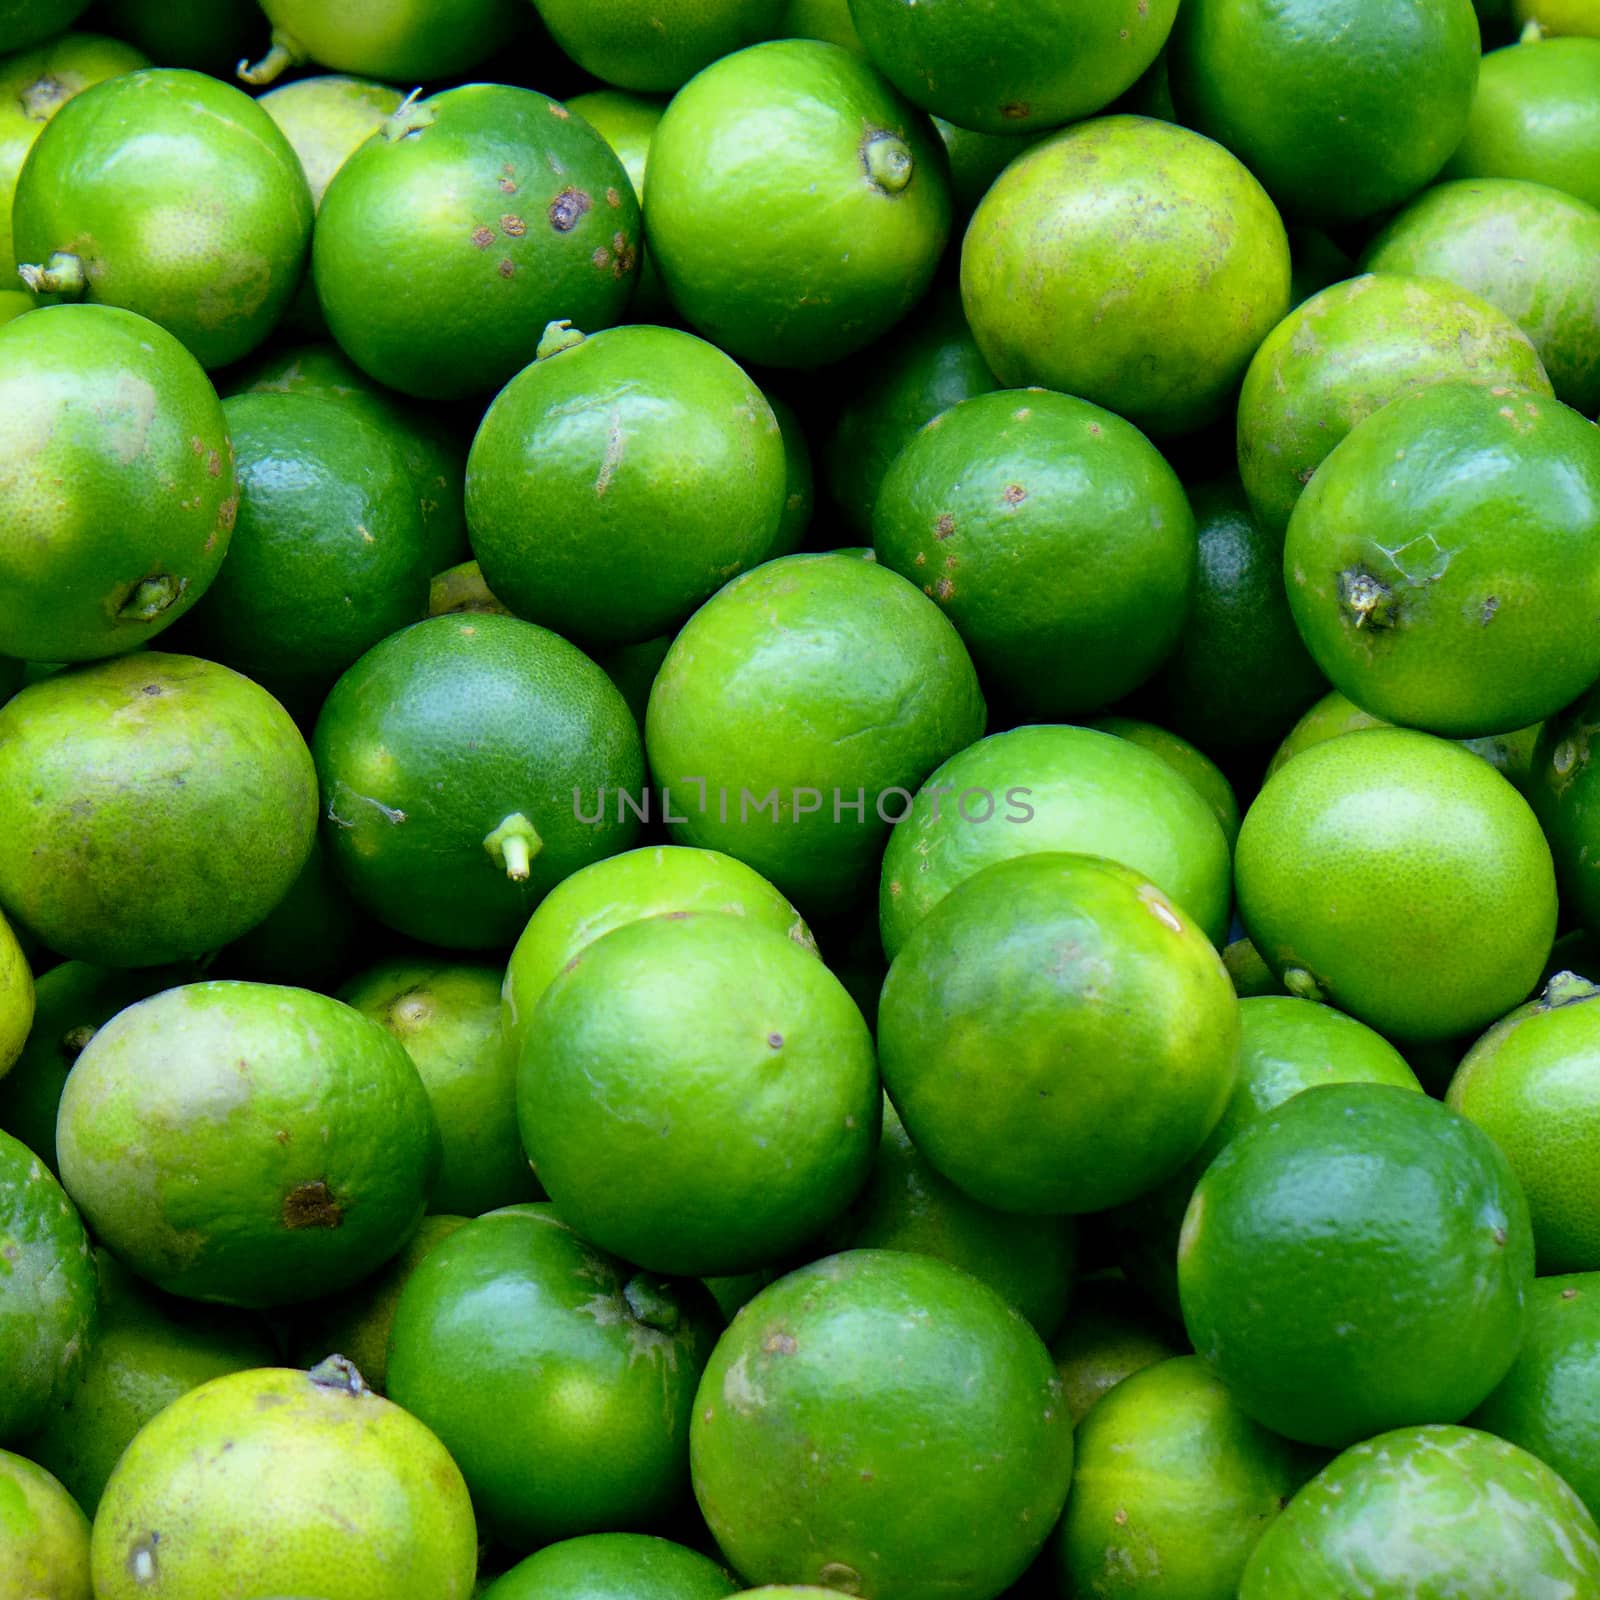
{"type": "Point", "coordinates": [116, 417]}
{"type": "Point", "coordinates": [44, 1535]}
{"type": "Point", "coordinates": [1109, 1336]}
{"type": "Point", "coordinates": [1050, 788]}
{"type": "Point", "coordinates": [327, 119]}
{"type": "Point", "coordinates": [447, 1015]}
{"type": "Point", "coordinates": [1338, 357]}
{"type": "Point", "coordinates": [559, 1378]}
{"type": "Point", "coordinates": [660, 47]}
{"type": "Point", "coordinates": [720, 1066]}
{"type": "Point", "coordinates": [314, 1114]}
{"type": "Point", "coordinates": [613, 1566]}
{"type": "Point", "coordinates": [798, 206]}
{"type": "Point", "coordinates": [25, 22]}
{"type": "Point", "coordinates": [450, 239]}
{"type": "Point", "coordinates": [1000, 68]}
{"type": "Point", "coordinates": [1433, 1512]}
{"type": "Point", "coordinates": [1562, 790]}
{"type": "Point", "coordinates": [1342, 112]}
{"type": "Point", "coordinates": [158, 806]}
{"type": "Point", "coordinates": [1251, 975]}
{"type": "Point", "coordinates": [829, 20]}
{"type": "Point", "coordinates": [16, 998]}
{"type": "Point", "coordinates": [1549, 1402]}
{"type": "Point", "coordinates": [1558, 16]}
{"type": "Point", "coordinates": [795, 712]}
{"type": "Point", "coordinates": [840, 1419]}
{"type": "Point", "coordinates": [49, 1311]}
{"type": "Point", "coordinates": [627, 122]}
{"type": "Point", "coordinates": [1056, 538]}
{"type": "Point", "coordinates": [1129, 262]}
{"type": "Point", "coordinates": [202, 34]}
{"type": "Point", "coordinates": [1202, 774]}
{"type": "Point", "coordinates": [456, 760]}
{"type": "Point", "coordinates": [13, 302]}
{"type": "Point", "coordinates": [288, 1482]}
{"type": "Point", "coordinates": [461, 588]}
{"type": "Point", "coordinates": [1357, 1259]}
{"type": "Point", "coordinates": [799, 480]}
{"type": "Point", "coordinates": [976, 160]}
{"type": "Point", "coordinates": [1438, 565]}
{"type": "Point", "coordinates": [620, 480]}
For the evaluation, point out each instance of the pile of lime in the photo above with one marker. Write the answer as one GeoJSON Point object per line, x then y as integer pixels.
{"type": "Point", "coordinates": [799, 797]}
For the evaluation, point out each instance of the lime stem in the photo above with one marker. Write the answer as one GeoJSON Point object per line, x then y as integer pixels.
{"type": "Point", "coordinates": [513, 845]}
{"type": "Point", "coordinates": [338, 1372]}
{"type": "Point", "coordinates": [150, 597]}
{"type": "Point", "coordinates": [1566, 987]}
{"type": "Point", "coordinates": [285, 51]}
{"type": "Point", "coordinates": [410, 116]}
{"type": "Point", "coordinates": [888, 162]}
{"type": "Point", "coordinates": [558, 336]}
{"type": "Point", "coordinates": [1532, 32]}
{"type": "Point", "coordinates": [1366, 599]}
{"type": "Point", "coordinates": [61, 274]}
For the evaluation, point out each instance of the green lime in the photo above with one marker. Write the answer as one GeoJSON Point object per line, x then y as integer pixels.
{"type": "Point", "coordinates": [1357, 1259]}
{"type": "Point", "coordinates": [279, 1481]}
{"type": "Point", "coordinates": [44, 1535]}
{"type": "Point", "coordinates": [627, 122]}
{"type": "Point", "coordinates": [1342, 112]}
{"type": "Point", "coordinates": [841, 1417]}
{"type": "Point", "coordinates": [796, 711]}
{"type": "Point", "coordinates": [660, 47]}
{"type": "Point", "coordinates": [633, 668]}
{"type": "Point", "coordinates": [828, 20]}
{"type": "Point", "coordinates": [1194, 766]}
{"type": "Point", "coordinates": [470, 221]}
{"type": "Point", "coordinates": [158, 807]}
{"type": "Point", "coordinates": [976, 160]}
{"type": "Point", "coordinates": [447, 1015]}
{"type": "Point", "coordinates": [246, 1143]}
{"type": "Point", "coordinates": [1051, 788]}
{"type": "Point", "coordinates": [720, 1066]}
{"type": "Point", "coordinates": [457, 759]}
{"type": "Point", "coordinates": [613, 1566]}
{"type": "Point", "coordinates": [1129, 262]}
{"type": "Point", "coordinates": [1558, 16]}
{"type": "Point", "coordinates": [1562, 790]}
{"type": "Point", "coordinates": [1432, 1512]}
{"type": "Point", "coordinates": [1056, 538]}
{"type": "Point", "coordinates": [798, 206]}
{"type": "Point", "coordinates": [559, 1378]}
{"type": "Point", "coordinates": [461, 588]}
{"type": "Point", "coordinates": [1109, 1335]}
{"type": "Point", "coordinates": [25, 22]}
{"type": "Point", "coordinates": [327, 119]}
{"type": "Point", "coordinates": [117, 493]}
{"type": "Point", "coordinates": [16, 997]}
{"type": "Point", "coordinates": [208, 35]}
{"type": "Point", "coordinates": [620, 480]}
{"type": "Point", "coordinates": [13, 302]}
{"type": "Point", "coordinates": [1437, 564]}
{"type": "Point", "coordinates": [1251, 975]}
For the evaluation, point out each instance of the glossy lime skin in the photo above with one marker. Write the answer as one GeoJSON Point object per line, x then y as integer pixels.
{"type": "Point", "coordinates": [627, 122]}
{"type": "Point", "coordinates": [1435, 1512]}
{"type": "Point", "coordinates": [1440, 565]}
{"type": "Point", "coordinates": [595, 1565]}
{"type": "Point", "coordinates": [401, 40]}
{"type": "Point", "coordinates": [1068, 1085]}
{"type": "Point", "coordinates": [558, 1377]}
{"type": "Point", "coordinates": [327, 120]}
{"type": "Point", "coordinates": [1563, 792]}
{"type": "Point", "coordinates": [1358, 1259]}
{"type": "Point", "coordinates": [839, 1419]}
{"type": "Point", "coordinates": [159, 806]}
{"type": "Point", "coordinates": [448, 241]}
{"type": "Point", "coordinates": [25, 22]}
{"type": "Point", "coordinates": [114, 407]}
{"type": "Point", "coordinates": [44, 1535]}
{"type": "Point", "coordinates": [290, 1179]}
{"type": "Point", "coordinates": [1056, 538]}
{"type": "Point", "coordinates": [661, 48]}
{"type": "Point", "coordinates": [1129, 262]}
{"type": "Point", "coordinates": [50, 1309]}
{"type": "Point", "coordinates": [232, 200]}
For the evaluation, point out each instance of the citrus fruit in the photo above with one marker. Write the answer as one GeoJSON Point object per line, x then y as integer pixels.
{"type": "Point", "coordinates": [119, 413]}
{"type": "Point", "coordinates": [719, 1066]}
{"type": "Point", "coordinates": [1000, 68]}
{"type": "Point", "coordinates": [1549, 1402]}
{"type": "Point", "coordinates": [976, 160]}
{"type": "Point", "coordinates": [314, 1113]}
{"type": "Point", "coordinates": [797, 206]}
{"type": "Point", "coordinates": [1441, 564]}
{"type": "Point", "coordinates": [16, 998]}
{"type": "Point", "coordinates": [186, 33]}
{"type": "Point", "coordinates": [1341, 112]}
{"type": "Point", "coordinates": [1386, 817]}
{"type": "Point", "coordinates": [49, 1311]}
{"type": "Point", "coordinates": [1346, 351]}
{"type": "Point", "coordinates": [1532, 1083]}
{"type": "Point", "coordinates": [204, 158]}
{"type": "Point", "coordinates": [1430, 1511]}
{"type": "Point", "coordinates": [1194, 766]}
{"type": "Point", "coordinates": [829, 20]}
{"type": "Point", "coordinates": [288, 1482]}
{"type": "Point", "coordinates": [1251, 975]}
{"type": "Point", "coordinates": [1357, 1259]}
{"type": "Point", "coordinates": [1051, 788]}
{"type": "Point", "coordinates": [660, 47]}
{"type": "Point", "coordinates": [558, 1377]}
{"type": "Point", "coordinates": [158, 806]}
{"type": "Point", "coordinates": [147, 1350]}
{"type": "Point", "coordinates": [840, 1418]}
{"type": "Point", "coordinates": [797, 709]}
{"type": "Point", "coordinates": [1171, 1488]}
{"type": "Point", "coordinates": [1071, 1084]}
{"type": "Point", "coordinates": [799, 481]}
{"type": "Point", "coordinates": [13, 302]}
{"type": "Point", "coordinates": [456, 760]}
{"type": "Point", "coordinates": [25, 22]}
{"type": "Point", "coordinates": [472, 219]}
{"type": "Point", "coordinates": [326, 119]}
{"type": "Point", "coordinates": [627, 122]}
{"type": "Point", "coordinates": [622, 479]}
{"type": "Point", "coordinates": [1536, 116]}
{"type": "Point", "coordinates": [1129, 262]}
{"type": "Point", "coordinates": [1558, 16]}
{"type": "Point", "coordinates": [613, 1566]}
{"type": "Point", "coordinates": [44, 1535]}
{"type": "Point", "coordinates": [461, 588]}
{"type": "Point", "coordinates": [1056, 538]}
{"type": "Point", "coordinates": [627, 888]}
{"type": "Point", "coordinates": [1563, 794]}
{"type": "Point", "coordinates": [328, 555]}
{"type": "Point", "coordinates": [1110, 1335]}
{"type": "Point", "coordinates": [447, 1015]}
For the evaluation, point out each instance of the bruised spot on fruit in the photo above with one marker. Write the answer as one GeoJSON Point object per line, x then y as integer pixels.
{"type": "Point", "coordinates": [1120, 1517]}
{"type": "Point", "coordinates": [836, 1575]}
{"type": "Point", "coordinates": [615, 445]}
{"type": "Point", "coordinates": [74, 1040]}
{"type": "Point", "coordinates": [198, 445]}
{"type": "Point", "coordinates": [142, 1559]}
{"type": "Point", "coordinates": [920, 559]}
{"type": "Point", "coordinates": [507, 268]}
{"type": "Point", "coordinates": [1367, 602]}
{"type": "Point", "coordinates": [508, 179]}
{"type": "Point", "coordinates": [601, 258]}
{"type": "Point", "coordinates": [557, 110]}
{"type": "Point", "coordinates": [1490, 606]}
{"type": "Point", "coordinates": [482, 237]}
{"type": "Point", "coordinates": [1014, 494]}
{"type": "Point", "coordinates": [568, 209]}
{"type": "Point", "coordinates": [513, 226]}
{"type": "Point", "coordinates": [228, 513]}
{"type": "Point", "coordinates": [623, 255]}
{"type": "Point", "coordinates": [943, 589]}
{"type": "Point", "coordinates": [1499, 1236]}
{"type": "Point", "coordinates": [311, 1205]}
{"type": "Point", "coordinates": [1015, 110]}
{"type": "Point", "coordinates": [780, 1344]}
{"type": "Point", "coordinates": [613, 199]}
{"type": "Point", "coordinates": [775, 1040]}
{"type": "Point", "coordinates": [1569, 1294]}
{"type": "Point", "coordinates": [944, 527]}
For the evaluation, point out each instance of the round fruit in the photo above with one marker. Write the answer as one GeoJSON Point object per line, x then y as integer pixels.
{"type": "Point", "coordinates": [314, 1113]}
{"type": "Point", "coordinates": [326, 120]}
{"type": "Point", "coordinates": [627, 122]}
{"type": "Point", "coordinates": [25, 22]}
{"type": "Point", "coordinates": [403, 40]}
{"type": "Point", "coordinates": [1130, 262]}
{"type": "Point", "coordinates": [840, 1418]}
{"type": "Point", "coordinates": [1195, 767]}
{"type": "Point", "coordinates": [660, 47]}
{"type": "Point", "coordinates": [1356, 1260]}
{"type": "Point", "coordinates": [628, 1566]}
{"type": "Point", "coordinates": [1557, 16]}
{"type": "Point", "coordinates": [158, 806]}
{"type": "Point", "coordinates": [1562, 790]}
{"type": "Point", "coordinates": [1110, 1335]}
{"type": "Point", "coordinates": [799, 483]}
{"type": "Point", "coordinates": [16, 998]}
{"type": "Point", "coordinates": [44, 1535]}
{"type": "Point", "coordinates": [116, 417]}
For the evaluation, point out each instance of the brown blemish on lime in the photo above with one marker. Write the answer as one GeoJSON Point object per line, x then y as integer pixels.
{"type": "Point", "coordinates": [508, 179]}
{"type": "Point", "coordinates": [836, 1575]}
{"type": "Point", "coordinates": [74, 1040]}
{"type": "Point", "coordinates": [214, 465]}
{"type": "Point", "coordinates": [568, 209]}
{"type": "Point", "coordinates": [780, 1344]}
{"type": "Point", "coordinates": [944, 527]}
{"type": "Point", "coordinates": [601, 258]}
{"type": "Point", "coordinates": [1015, 110]}
{"type": "Point", "coordinates": [920, 559]}
{"type": "Point", "coordinates": [613, 199]}
{"type": "Point", "coordinates": [198, 445]}
{"type": "Point", "coordinates": [311, 1205]}
{"type": "Point", "coordinates": [482, 237]}
{"type": "Point", "coordinates": [943, 589]}
{"type": "Point", "coordinates": [1014, 494]}
{"type": "Point", "coordinates": [624, 256]}
{"type": "Point", "coordinates": [558, 110]}
{"type": "Point", "coordinates": [152, 689]}
{"type": "Point", "coordinates": [1499, 1236]}
{"type": "Point", "coordinates": [506, 268]}
{"type": "Point", "coordinates": [513, 226]}
{"type": "Point", "coordinates": [775, 1040]}
{"type": "Point", "coordinates": [1569, 1294]}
